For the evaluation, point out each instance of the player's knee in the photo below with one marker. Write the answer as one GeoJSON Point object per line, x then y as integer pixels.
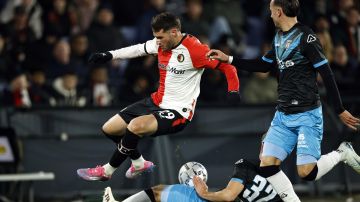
{"type": "Point", "coordinates": [303, 173]}
{"type": "Point", "coordinates": [137, 127]}
{"type": "Point", "coordinates": [308, 173]}
{"type": "Point", "coordinates": [105, 129]}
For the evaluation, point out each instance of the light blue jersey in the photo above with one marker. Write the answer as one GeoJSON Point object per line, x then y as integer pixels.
{"type": "Point", "coordinates": [180, 193]}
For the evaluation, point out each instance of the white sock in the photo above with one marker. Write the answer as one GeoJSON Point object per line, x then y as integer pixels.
{"type": "Point", "coordinates": [109, 170]}
{"type": "Point", "coordinates": [327, 162]}
{"type": "Point", "coordinates": [138, 163]}
{"type": "Point", "coordinates": [283, 187]}
{"type": "Point", "coordinates": [138, 197]}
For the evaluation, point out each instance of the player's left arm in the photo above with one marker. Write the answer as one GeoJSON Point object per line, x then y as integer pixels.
{"type": "Point", "coordinates": [314, 52]}
{"type": "Point", "coordinates": [232, 190]}
{"type": "Point", "coordinates": [201, 61]}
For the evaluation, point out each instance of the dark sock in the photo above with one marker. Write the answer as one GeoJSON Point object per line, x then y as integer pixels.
{"type": "Point", "coordinates": [268, 171]}
{"type": "Point", "coordinates": [150, 194]}
{"type": "Point", "coordinates": [126, 148]}
{"type": "Point", "coordinates": [114, 138]}
{"type": "Point", "coordinates": [312, 175]}
{"type": "Point", "coordinates": [135, 154]}
{"type": "Point", "coordinates": [117, 158]}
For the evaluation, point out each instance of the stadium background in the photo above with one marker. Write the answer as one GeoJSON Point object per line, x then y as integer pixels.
{"type": "Point", "coordinates": [57, 102]}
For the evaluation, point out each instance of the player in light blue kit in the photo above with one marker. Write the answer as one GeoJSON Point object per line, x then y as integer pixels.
{"type": "Point", "coordinates": [298, 57]}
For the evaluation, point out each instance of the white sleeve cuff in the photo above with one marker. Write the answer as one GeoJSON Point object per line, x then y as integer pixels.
{"type": "Point", "coordinates": [230, 59]}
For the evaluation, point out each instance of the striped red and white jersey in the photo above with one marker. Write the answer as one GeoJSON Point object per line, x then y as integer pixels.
{"type": "Point", "coordinates": [180, 72]}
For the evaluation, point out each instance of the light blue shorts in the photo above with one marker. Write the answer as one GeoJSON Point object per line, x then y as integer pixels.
{"type": "Point", "coordinates": [180, 193]}
{"type": "Point", "coordinates": [304, 129]}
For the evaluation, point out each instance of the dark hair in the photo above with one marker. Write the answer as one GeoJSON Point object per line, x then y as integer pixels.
{"type": "Point", "coordinates": [291, 8]}
{"type": "Point", "coordinates": [165, 21]}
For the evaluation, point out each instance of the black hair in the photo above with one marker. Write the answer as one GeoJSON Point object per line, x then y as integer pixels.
{"type": "Point", "coordinates": [165, 21]}
{"type": "Point", "coordinates": [291, 8]}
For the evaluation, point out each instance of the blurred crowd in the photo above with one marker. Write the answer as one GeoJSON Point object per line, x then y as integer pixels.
{"type": "Point", "coordinates": [45, 44]}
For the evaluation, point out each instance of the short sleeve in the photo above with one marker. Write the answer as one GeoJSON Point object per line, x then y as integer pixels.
{"type": "Point", "coordinates": [312, 50]}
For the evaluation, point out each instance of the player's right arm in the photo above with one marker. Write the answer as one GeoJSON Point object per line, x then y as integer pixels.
{"type": "Point", "coordinates": [232, 190]}
{"type": "Point", "coordinates": [149, 47]}
{"type": "Point", "coordinates": [235, 186]}
{"type": "Point", "coordinates": [265, 64]}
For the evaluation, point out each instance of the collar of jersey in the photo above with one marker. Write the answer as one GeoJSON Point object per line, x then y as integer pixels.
{"type": "Point", "coordinates": [292, 28]}
{"type": "Point", "coordinates": [185, 35]}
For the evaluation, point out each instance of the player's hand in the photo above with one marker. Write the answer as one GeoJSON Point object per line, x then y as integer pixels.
{"type": "Point", "coordinates": [217, 55]}
{"type": "Point", "coordinates": [200, 186]}
{"type": "Point", "coordinates": [349, 120]}
{"type": "Point", "coordinates": [100, 58]}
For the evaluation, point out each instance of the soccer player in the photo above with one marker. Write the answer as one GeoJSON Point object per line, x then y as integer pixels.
{"type": "Point", "coordinates": [181, 62]}
{"type": "Point", "coordinates": [245, 185]}
{"type": "Point", "coordinates": [298, 56]}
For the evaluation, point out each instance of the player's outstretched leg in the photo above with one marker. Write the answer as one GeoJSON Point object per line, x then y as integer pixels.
{"type": "Point", "coordinates": [349, 156]}
{"type": "Point", "coordinates": [344, 153]}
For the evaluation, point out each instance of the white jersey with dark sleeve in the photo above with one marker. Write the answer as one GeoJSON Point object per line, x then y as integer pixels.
{"type": "Point", "coordinates": [256, 188]}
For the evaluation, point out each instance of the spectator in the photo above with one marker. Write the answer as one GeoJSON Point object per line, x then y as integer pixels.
{"type": "Point", "coordinates": [60, 60]}
{"type": "Point", "coordinates": [20, 38]}
{"type": "Point", "coordinates": [32, 9]}
{"type": "Point", "coordinates": [192, 21]}
{"type": "Point", "coordinates": [343, 69]}
{"type": "Point", "coordinates": [85, 11]}
{"type": "Point", "coordinates": [79, 55]}
{"type": "Point", "coordinates": [4, 60]}
{"type": "Point", "coordinates": [127, 14]}
{"type": "Point", "coordinates": [213, 88]}
{"type": "Point", "coordinates": [153, 8]}
{"type": "Point", "coordinates": [227, 17]}
{"type": "Point", "coordinates": [338, 16]}
{"type": "Point", "coordinates": [350, 34]}
{"type": "Point", "coordinates": [58, 21]}
{"type": "Point", "coordinates": [323, 33]}
{"type": "Point", "coordinates": [353, 20]}
{"type": "Point", "coordinates": [99, 92]}
{"type": "Point", "coordinates": [261, 88]}
{"type": "Point", "coordinates": [17, 92]}
{"type": "Point", "coordinates": [40, 92]}
{"type": "Point", "coordinates": [103, 35]}
{"type": "Point", "coordinates": [136, 89]}
{"type": "Point", "coordinates": [66, 92]}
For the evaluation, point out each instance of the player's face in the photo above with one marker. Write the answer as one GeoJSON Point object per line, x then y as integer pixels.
{"type": "Point", "coordinates": [165, 40]}
{"type": "Point", "coordinates": [275, 13]}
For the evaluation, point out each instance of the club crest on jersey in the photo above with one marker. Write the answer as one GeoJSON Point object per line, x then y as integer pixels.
{"type": "Point", "coordinates": [180, 58]}
{"type": "Point", "coordinates": [288, 43]}
{"type": "Point", "coordinates": [311, 38]}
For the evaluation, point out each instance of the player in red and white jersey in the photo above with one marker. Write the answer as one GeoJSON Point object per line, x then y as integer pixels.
{"type": "Point", "coordinates": [181, 62]}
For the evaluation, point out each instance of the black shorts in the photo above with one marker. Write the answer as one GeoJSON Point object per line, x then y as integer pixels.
{"type": "Point", "coordinates": [169, 120]}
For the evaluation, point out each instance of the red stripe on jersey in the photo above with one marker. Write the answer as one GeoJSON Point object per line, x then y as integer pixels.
{"type": "Point", "coordinates": [163, 61]}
